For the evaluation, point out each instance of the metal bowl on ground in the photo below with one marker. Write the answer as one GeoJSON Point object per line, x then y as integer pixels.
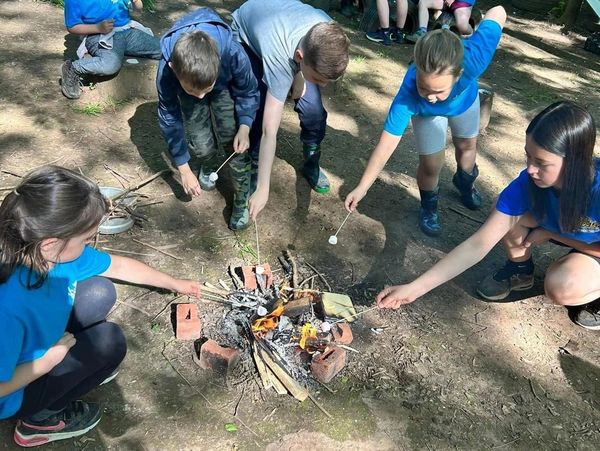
{"type": "Point", "coordinates": [111, 226]}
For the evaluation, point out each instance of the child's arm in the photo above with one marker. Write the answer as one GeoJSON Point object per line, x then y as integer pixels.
{"type": "Point", "coordinates": [540, 235]}
{"type": "Point", "coordinates": [138, 5]}
{"type": "Point", "coordinates": [26, 373]}
{"type": "Point", "coordinates": [462, 257]}
{"type": "Point", "coordinates": [133, 271]}
{"type": "Point", "coordinates": [106, 26]}
{"type": "Point", "coordinates": [497, 14]}
{"type": "Point", "coordinates": [381, 154]}
{"type": "Point", "coordinates": [271, 120]}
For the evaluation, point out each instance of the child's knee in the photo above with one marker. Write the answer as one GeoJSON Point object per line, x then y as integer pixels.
{"type": "Point", "coordinates": [110, 346]}
{"type": "Point", "coordinates": [111, 64]}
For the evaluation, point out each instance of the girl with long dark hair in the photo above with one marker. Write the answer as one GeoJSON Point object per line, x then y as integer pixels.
{"type": "Point", "coordinates": [556, 198]}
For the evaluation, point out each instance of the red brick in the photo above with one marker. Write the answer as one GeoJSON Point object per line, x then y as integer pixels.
{"type": "Point", "coordinates": [327, 365]}
{"type": "Point", "coordinates": [217, 358]}
{"type": "Point", "coordinates": [342, 334]}
{"type": "Point", "coordinates": [188, 325]}
{"type": "Point", "coordinates": [249, 276]}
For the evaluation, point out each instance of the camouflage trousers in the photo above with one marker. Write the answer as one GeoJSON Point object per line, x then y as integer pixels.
{"type": "Point", "coordinates": [210, 125]}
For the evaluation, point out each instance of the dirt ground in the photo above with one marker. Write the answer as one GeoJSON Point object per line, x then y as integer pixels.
{"type": "Point", "coordinates": [449, 371]}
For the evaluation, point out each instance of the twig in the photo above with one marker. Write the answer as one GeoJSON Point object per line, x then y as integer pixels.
{"type": "Point", "coordinates": [235, 410]}
{"type": "Point", "coordinates": [257, 244]}
{"type": "Point", "coordinates": [110, 249]}
{"type": "Point", "coordinates": [139, 185]}
{"type": "Point", "coordinates": [321, 276]}
{"type": "Point", "coordinates": [149, 203]}
{"type": "Point", "coordinates": [135, 308]}
{"type": "Point", "coordinates": [505, 444]}
{"type": "Point", "coordinates": [308, 279]}
{"type": "Point", "coordinates": [466, 215]}
{"type": "Point", "coordinates": [355, 315]}
{"type": "Point", "coordinates": [292, 261]}
{"type": "Point", "coordinates": [157, 249]}
{"type": "Point", "coordinates": [533, 390]}
{"type": "Point", "coordinates": [348, 348]}
{"type": "Point", "coordinates": [236, 280]}
{"type": "Point", "coordinates": [14, 174]}
{"type": "Point", "coordinates": [321, 408]}
{"type": "Point", "coordinates": [8, 188]}
{"type": "Point", "coordinates": [269, 415]}
{"type": "Point", "coordinates": [166, 306]}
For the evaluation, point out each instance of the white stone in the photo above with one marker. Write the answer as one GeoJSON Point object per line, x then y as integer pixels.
{"type": "Point", "coordinates": [261, 311]}
{"type": "Point", "coordinates": [333, 239]}
{"type": "Point", "coordinates": [259, 270]}
{"type": "Point", "coordinates": [213, 177]}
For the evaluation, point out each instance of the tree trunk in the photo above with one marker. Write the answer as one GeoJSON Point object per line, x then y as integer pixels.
{"type": "Point", "coordinates": [571, 14]}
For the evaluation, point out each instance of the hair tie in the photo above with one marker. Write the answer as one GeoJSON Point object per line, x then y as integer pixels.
{"type": "Point", "coordinates": [445, 26]}
{"type": "Point", "coordinates": [16, 192]}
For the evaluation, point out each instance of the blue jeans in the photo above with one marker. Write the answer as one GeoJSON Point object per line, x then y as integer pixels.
{"type": "Point", "coordinates": [312, 114]}
{"type": "Point", "coordinates": [99, 350]}
{"type": "Point", "coordinates": [130, 42]}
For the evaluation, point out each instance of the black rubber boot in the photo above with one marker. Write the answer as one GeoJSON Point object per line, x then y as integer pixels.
{"type": "Point", "coordinates": [312, 172]}
{"type": "Point", "coordinates": [463, 181]}
{"type": "Point", "coordinates": [429, 220]}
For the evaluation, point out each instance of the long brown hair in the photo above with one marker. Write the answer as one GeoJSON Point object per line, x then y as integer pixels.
{"type": "Point", "coordinates": [567, 130]}
{"type": "Point", "coordinates": [439, 52]}
{"type": "Point", "coordinates": [50, 202]}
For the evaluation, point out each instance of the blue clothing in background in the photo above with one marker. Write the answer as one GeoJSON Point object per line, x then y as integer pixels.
{"type": "Point", "coordinates": [95, 11]}
{"type": "Point", "coordinates": [479, 51]}
{"type": "Point", "coordinates": [34, 320]}
{"type": "Point", "coordinates": [515, 200]}
{"type": "Point", "coordinates": [235, 75]}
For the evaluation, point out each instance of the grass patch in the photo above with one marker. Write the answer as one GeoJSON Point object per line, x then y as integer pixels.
{"type": "Point", "coordinates": [359, 59]}
{"type": "Point", "coordinates": [59, 3]}
{"type": "Point", "coordinates": [91, 109]}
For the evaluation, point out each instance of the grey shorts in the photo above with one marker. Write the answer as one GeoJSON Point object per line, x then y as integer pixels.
{"type": "Point", "coordinates": [430, 131]}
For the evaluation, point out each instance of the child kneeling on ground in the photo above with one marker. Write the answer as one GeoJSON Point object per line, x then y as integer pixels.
{"type": "Point", "coordinates": [109, 34]}
{"type": "Point", "coordinates": [56, 343]}
{"type": "Point", "coordinates": [205, 77]}
{"type": "Point", "coordinates": [557, 199]}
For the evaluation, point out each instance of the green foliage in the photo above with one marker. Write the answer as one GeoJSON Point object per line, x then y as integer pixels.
{"type": "Point", "coordinates": [149, 5]}
{"type": "Point", "coordinates": [559, 9]}
{"type": "Point", "coordinates": [91, 109]}
{"type": "Point", "coordinates": [230, 427]}
{"type": "Point", "coordinates": [59, 3]}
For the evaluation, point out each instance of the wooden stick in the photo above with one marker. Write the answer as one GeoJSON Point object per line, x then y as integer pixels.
{"type": "Point", "coordinates": [157, 249]}
{"type": "Point", "coordinates": [216, 290]}
{"type": "Point", "coordinates": [292, 261]}
{"type": "Point", "coordinates": [466, 215]}
{"type": "Point", "coordinates": [14, 174]}
{"type": "Point", "coordinates": [321, 408]}
{"type": "Point", "coordinates": [225, 162]}
{"type": "Point", "coordinates": [262, 369]}
{"type": "Point", "coordinates": [139, 185]}
{"type": "Point", "coordinates": [8, 188]}
{"type": "Point", "coordinates": [295, 389]}
{"type": "Point", "coordinates": [110, 249]}
{"type": "Point", "coordinates": [321, 276]}
{"type": "Point", "coordinates": [355, 315]}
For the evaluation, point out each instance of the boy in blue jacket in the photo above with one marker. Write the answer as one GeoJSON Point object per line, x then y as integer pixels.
{"type": "Point", "coordinates": [205, 78]}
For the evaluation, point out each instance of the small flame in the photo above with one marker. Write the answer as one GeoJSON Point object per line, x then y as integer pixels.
{"type": "Point", "coordinates": [268, 322]}
{"type": "Point", "coordinates": [308, 331]}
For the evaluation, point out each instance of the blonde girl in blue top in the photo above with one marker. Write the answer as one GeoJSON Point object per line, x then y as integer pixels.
{"type": "Point", "coordinates": [556, 198]}
{"type": "Point", "coordinates": [56, 344]}
{"type": "Point", "coordinates": [438, 90]}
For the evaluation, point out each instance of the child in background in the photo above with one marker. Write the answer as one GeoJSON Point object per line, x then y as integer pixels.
{"type": "Point", "coordinates": [292, 47]}
{"type": "Point", "coordinates": [384, 33]}
{"type": "Point", "coordinates": [440, 87]}
{"type": "Point", "coordinates": [109, 35]}
{"type": "Point", "coordinates": [556, 198]}
{"type": "Point", "coordinates": [56, 344]}
{"type": "Point", "coordinates": [461, 10]}
{"type": "Point", "coordinates": [204, 76]}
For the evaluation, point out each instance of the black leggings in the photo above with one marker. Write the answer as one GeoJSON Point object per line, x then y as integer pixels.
{"type": "Point", "coordinates": [99, 350]}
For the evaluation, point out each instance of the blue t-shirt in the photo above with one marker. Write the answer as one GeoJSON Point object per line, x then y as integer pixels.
{"type": "Point", "coordinates": [95, 11]}
{"type": "Point", "coordinates": [515, 200]}
{"type": "Point", "coordinates": [479, 51]}
{"type": "Point", "coordinates": [32, 321]}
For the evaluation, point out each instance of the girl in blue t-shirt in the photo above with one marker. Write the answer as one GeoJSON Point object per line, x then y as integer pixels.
{"type": "Point", "coordinates": [56, 344]}
{"type": "Point", "coordinates": [557, 198]}
{"type": "Point", "coordinates": [439, 88]}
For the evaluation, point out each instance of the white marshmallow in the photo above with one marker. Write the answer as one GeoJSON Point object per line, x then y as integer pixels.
{"type": "Point", "coordinates": [259, 270]}
{"type": "Point", "coordinates": [213, 177]}
{"type": "Point", "coordinates": [333, 239]}
{"type": "Point", "coordinates": [325, 326]}
{"type": "Point", "coordinates": [261, 311]}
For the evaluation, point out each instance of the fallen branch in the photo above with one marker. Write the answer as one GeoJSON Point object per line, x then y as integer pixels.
{"type": "Point", "coordinates": [139, 185]}
{"type": "Point", "coordinates": [466, 215]}
{"type": "Point", "coordinates": [14, 174]}
{"type": "Point", "coordinates": [157, 249]}
{"type": "Point", "coordinates": [110, 249]}
{"type": "Point", "coordinates": [321, 276]}
{"type": "Point", "coordinates": [292, 262]}
{"type": "Point", "coordinates": [321, 408]}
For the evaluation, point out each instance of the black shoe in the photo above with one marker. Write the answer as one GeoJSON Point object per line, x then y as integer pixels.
{"type": "Point", "coordinates": [76, 419]}
{"type": "Point", "coordinates": [587, 315]}
{"type": "Point", "coordinates": [311, 170]}
{"type": "Point", "coordinates": [498, 285]}
{"type": "Point", "coordinates": [70, 81]}
{"type": "Point", "coordinates": [381, 35]}
{"type": "Point", "coordinates": [398, 36]}
{"type": "Point", "coordinates": [429, 220]}
{"type": "Point", "coordinates": [464, 181]}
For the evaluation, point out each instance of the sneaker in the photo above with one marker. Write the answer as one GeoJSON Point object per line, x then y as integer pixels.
{"type": "Point", "coordinates": [76, 419]}
{"type": "Point", "coordinates": [204, 179]}
{"type": "Point", "coordinates": [320, 183]}
{"type": "Point", "coordinates": [587, 315]}
{"type": "Point", "coordinates": [70, 81]}
{"type": "Point", "coordinates": [398, 36]}
{"type": "Point", "coordinates": [381, 36]}
{"type": "Point", "coordinates": [110, 377]}
{"type": "Point", "coordinates": [498, 286]}
{"type": "Point", "coordinates": [416, 35]}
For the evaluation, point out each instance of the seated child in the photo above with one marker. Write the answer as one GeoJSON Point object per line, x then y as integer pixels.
{"type": "Point", "coordinates": [460, 9]}
{"type": "Point", "coordinates": [109, 34]}
{"type": "Point", "coordinates": [384, 33]}
{"type": "Point", "coordinates": [204, 77]}
{"type": "Point", "coordinates": [438, 90]}
{"type": "Point", "coordinates": [557, 199]}
{"type": "Point", "coordinates": [56, 343]}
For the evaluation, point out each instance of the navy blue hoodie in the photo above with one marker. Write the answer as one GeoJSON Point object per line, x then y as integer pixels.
{"type": "Point", "coordinates": [235, 75]}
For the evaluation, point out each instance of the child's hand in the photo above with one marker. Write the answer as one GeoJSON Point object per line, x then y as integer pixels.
{"type": "Point", "coordinates": [186, 286]}
{"type": "Point", "coordinates": [536, 237]}
{"type": "Point", "coordinates": [57, 353]}
{"type": "Point", "coordinates": [354, 198]}
{"type": "Point", "coordinates": [394, 297]}
{"type": "Point", "coordinates": [189, 181]}
{"type": "Point", "coordinates": [257, 202]}
{"type": "Point", "coordinates": [106, 26]}
{"type": "Point", "coordinates": [241, 142]}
